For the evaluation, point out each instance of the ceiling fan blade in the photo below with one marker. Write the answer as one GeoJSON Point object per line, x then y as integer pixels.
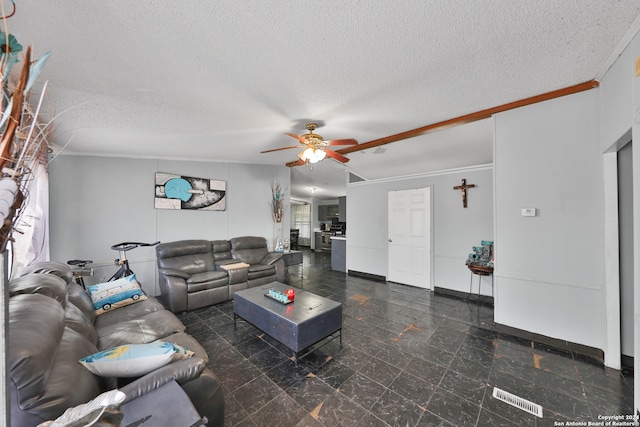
{"type": "Point", "coordinates": [298, 137]}
{"type": "Point", "coordinates": [296, 163]}
{"type": "Point", "coordinates": [348, 141]}
{"type": "Point", "coordinates": [281, 148]}
{"type": "Point", "coordinates": [337, 156]}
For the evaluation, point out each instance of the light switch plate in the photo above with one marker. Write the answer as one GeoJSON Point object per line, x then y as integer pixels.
{"type": "Point", "coordinates": [528, 211]}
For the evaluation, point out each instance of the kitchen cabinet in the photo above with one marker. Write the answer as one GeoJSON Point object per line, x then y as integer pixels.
{"type": "Point", "coordinates": [322, 213]}
{"type": "Point", "coordinates": [327, 212]}
{"type": "Point", "coordinates": [339, 254]}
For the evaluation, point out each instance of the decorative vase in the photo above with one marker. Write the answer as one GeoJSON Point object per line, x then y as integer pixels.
{"type": "Point", "coordinates": [278, 245]}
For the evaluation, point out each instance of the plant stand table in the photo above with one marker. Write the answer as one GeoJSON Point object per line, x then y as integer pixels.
{"type": "Point", "coordinates": [480, 271]}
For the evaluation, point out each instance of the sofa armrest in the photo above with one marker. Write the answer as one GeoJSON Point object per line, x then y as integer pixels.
{"type": "Point", "coordinates": [174, 292]}
{"type": "Point", "coordinates": [206, 395]}
{"type": "Point", "coordinates": [173, 273]}
{"type": "Point", "coordinates": [182, 371]}
{"type": "Point", "coordinates": [271, 257]}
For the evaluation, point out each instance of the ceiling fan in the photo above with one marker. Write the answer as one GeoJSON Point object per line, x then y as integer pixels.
{"type": "Point", "coordinates": [315, 147]}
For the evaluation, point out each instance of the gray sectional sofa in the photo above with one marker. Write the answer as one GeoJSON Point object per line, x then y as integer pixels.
{"type": "Point", "coordinates": [192, 274]}
{"type": "Point", "coordinates": [53, 324]}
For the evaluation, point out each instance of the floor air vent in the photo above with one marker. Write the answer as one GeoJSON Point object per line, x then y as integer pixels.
{"type": "Point", "coordinates": [518, 402]}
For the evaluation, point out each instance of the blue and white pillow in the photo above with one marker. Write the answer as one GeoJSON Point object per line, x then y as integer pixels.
{"type": "Point", "coordinates": [115, 294]}
{"type": "Point", "coordinates": [134, 360]}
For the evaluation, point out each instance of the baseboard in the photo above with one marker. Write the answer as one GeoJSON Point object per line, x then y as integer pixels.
{"type": "Point", "coordinates": [483, 299]}
{"type": "Point", "coordinates": [368, 276]}
{"type": "Point", "coordinates": [592, 352]}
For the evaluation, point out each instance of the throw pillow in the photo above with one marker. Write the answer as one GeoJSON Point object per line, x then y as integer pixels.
{"type": "Point", "coordinates": [134, 360]}
{"type": "Point", "coordinates": [115, 294]}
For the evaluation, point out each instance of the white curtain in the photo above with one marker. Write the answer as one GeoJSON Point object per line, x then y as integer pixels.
{"type": "Point", "coordinates": [31, 241]}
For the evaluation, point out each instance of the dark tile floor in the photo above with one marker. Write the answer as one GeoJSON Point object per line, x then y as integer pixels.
{"type": "Point", "coordinates": [409, 358]}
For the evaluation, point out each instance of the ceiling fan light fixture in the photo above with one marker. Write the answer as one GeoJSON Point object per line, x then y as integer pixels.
{"type": "Point", "coordinates": [312, 155]}
{"type": "Point", "coordinates": [320, 154]}
{"type": "Point", "coordinates": [315, 150]}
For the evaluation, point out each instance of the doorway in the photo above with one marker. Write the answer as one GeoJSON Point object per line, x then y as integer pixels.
{"type": "Point", "coordinates": [409, 237]}
{"type": "Point", "coordinates": [625, 239]}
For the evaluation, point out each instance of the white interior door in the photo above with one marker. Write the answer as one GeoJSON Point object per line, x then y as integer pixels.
{"type": "Point", "coordinates": [409, 231]}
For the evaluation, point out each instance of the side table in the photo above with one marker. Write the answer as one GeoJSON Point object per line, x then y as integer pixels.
{"type": "Point", "coordinates": [293, 258]}
{"type": "Point", "coordinates": [167, 405]}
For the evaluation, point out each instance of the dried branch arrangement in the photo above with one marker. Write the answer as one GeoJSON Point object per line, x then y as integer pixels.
{"type": "Point", "coordinates": [277, 202]}
{"type": "Point", "coordinates": [23, 138]}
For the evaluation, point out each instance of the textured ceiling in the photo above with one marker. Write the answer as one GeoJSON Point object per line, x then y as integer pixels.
{"type": "Point", "coordinates": [225, 80]}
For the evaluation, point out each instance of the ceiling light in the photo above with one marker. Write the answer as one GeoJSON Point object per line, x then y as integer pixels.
{"type": "Point", "coordinates": [312, 155]}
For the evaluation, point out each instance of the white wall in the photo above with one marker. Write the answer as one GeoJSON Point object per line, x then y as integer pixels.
{"type": "Point", "coordinates": [616, 118]}
{"type": "Point", "coordinates": [616, 114]}
{"type": "Point", "coordinates": [631, 63]}
{"type": "Point", "coordinates": [96, 202]}
{"type": "Point", "coordinates": [550, 268]}
{"type": "Point", "coordinates": [455, 230]}
{"type": "Point", "coordinates": [625, 200]}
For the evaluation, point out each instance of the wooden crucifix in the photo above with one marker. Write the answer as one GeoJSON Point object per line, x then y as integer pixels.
{"type": "Point", "coordinates": [463, 188]}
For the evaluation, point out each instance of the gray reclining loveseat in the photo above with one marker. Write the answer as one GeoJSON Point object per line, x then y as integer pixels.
{"type": "Point", "coordinates": [53, 324]}
{"type": "Point", "coordinates": [198, 273]}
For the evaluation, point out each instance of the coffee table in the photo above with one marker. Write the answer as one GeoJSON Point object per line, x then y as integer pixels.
{"type": "Point", "coordinates": [306, 321]}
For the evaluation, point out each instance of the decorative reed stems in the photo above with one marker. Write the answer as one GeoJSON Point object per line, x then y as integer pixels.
{"type": "Point", "coordinates": [277, 201]}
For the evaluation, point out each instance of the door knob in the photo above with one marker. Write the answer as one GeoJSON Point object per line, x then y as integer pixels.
{"type": "Point", "coordinates": [390, 240]}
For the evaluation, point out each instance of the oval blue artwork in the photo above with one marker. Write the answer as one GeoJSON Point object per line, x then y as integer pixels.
{"type": "Point", "coordinates": [178, 188]}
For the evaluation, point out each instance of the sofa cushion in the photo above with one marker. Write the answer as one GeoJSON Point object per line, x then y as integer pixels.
{"type": "Point", "coordinates": [207, 276]}
{"type": "Point", "coordinates": [43, 358]}
{"type": "Point", "coordinates": [221, 250]}
{"type": "Point", "coordinates": [50, 267]}
{"type": "Point", "coordinates": [67, 383]}
{"type": "Point", "coordinates": [133, 360]}
{"type": "Point", "coordinates": [133, 311]}
{"type": "Point", "coordinates": [75, 319]}
{"type": "Point", "coordinates": [173, 273]}
{"type": "Point", "coordinates": [144, 329]}
{"type": "Point", "coordinates": [189, 256]}
{"type": "Point", "coordinates": [207, 280]}
{"type": "Point", "coordinates": [249, 249]}
{"type": "Point", "coordinates": [257, 271]}
{"type": "Point", "coordinates": [81, 299]}
{"type": "Point", "coordinates": [39, 283]}
{"type": "Point", "coordinates": [36, 324]}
